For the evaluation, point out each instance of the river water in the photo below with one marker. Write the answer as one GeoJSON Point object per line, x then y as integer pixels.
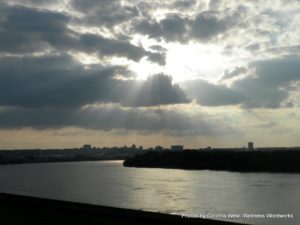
{"type": "Point", "coordinates": [197, 193]}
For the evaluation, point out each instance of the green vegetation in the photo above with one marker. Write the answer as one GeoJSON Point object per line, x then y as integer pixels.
{"type": "Point", "coordinates": [233, 160]}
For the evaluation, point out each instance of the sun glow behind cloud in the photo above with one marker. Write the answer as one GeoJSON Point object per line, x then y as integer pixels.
{"type": "Point", "coordinates": [185, 62]}
{"type": "Point", "coordinates": [144, 69]}
{"type": "Point", "coordinates": [188, 62]}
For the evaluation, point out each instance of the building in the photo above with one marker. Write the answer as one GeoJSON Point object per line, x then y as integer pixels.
{"type": "Point", "coordinates": [250, 145]}
{"type": "Point", "coordinates": [158, 148]}
{"type": "Point", "coordinates": [176, 147]}
{"type": "Point", "coordinates": [86, 147]}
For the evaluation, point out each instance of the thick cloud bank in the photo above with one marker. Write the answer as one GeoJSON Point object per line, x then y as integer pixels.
{"type": "Point", "coordinates": [146, 65]}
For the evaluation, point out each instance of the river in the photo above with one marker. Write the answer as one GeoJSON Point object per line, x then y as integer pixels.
{"type": "Point", "coordinates": [198, 193]}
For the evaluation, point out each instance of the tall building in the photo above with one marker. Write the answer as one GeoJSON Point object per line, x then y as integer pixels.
{"type": "Point", "coordinates": [250, 145]}
{"type": "Point", "coordinates": [176, 147]}
{"type": "Point", "coordinates": [87, 147]}
{"type": "Point", "coordinates": [158, 148]}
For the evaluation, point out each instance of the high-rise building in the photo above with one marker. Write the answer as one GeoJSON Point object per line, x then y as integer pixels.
{"type": "Point", "coordinates": [87, 147]}
{"type": "Point", "coordinates": [250, 145]}
{"type": "Point", "coordinates": [176, 147]}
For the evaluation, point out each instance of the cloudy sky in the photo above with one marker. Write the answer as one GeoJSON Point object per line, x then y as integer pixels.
{"type": "Point", "coordinates": [111, 73]}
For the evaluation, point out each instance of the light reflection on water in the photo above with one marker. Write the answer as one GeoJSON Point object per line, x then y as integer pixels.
{"type": "Point", "coordinates": [163, 190]}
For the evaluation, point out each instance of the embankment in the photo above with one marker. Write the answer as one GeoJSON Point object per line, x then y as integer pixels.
{"type": "Point", "coordinates": [21, 210]}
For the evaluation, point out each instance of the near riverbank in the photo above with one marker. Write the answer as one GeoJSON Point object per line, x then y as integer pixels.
{"type": "Point", "coordinates": [21, 210]}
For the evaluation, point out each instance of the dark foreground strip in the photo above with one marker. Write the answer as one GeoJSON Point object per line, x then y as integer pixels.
{"type": "Point", "coordinates": [19, 210]}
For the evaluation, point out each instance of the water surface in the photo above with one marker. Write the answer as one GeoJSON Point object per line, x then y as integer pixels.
{"type": "Point", "coordinates": [188, 192]}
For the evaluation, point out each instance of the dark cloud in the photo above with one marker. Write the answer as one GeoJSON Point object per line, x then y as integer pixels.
{"type": "Point", "coordinates": [110, 47]}
{"type": "Point", "coordinates": [172, 28]}
{"type": "Point", "coordinates": [50, 81]}
{"type": "Point", "coordinates": [105, 12]}
{"type": "Point", "coordinates": [113, 47]}
{"type": "Point", "coordinates": [278, 71]}
{"type": "Point", "coordinates": [235, 72]}
{"type": "Point", "coordinates": [259, 95]}
{"type": "Point", "coordinates": [159, 58]}
{"type": "Point", "coordinates": [56, 81]}
{"type": "Point", "coordinates": [156, 90]}
{"type": "Point", "coordinates": [158, 48]}
{"type": "Point", "coordinates": [204, 27]}
{"type": "Point", "coordinates": [269, 86]}
{"type": "Point", "coordinates": [34, 2]}
{"type": "Point", "coordinates": [208, 94]}
{"type": "Point", "coordinates": [148, 27]}
{"type": "Point", "coordinates": [27, 30]}
{"type": "Point", "coordinates": [184, 4]}
{"type": "Point", "coordinates": [41, 1]}
{"type": "Point", "coordinates": [107, 117]}
{"type": "Point", "coordinates": [209, 24]}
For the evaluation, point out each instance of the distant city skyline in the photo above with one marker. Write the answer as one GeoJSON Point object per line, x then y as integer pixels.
{"type": "Point", "coordinates": [175, 147]}
{"type": "Point", "coordinates": [196, 73]}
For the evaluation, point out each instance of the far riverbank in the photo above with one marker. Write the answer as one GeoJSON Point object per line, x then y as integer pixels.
{"type": "Point", "coordinates": [287, 161]}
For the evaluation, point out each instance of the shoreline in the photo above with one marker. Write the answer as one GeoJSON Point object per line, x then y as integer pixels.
{"type": "Point", "coordinates": [62, 161]}
{"type": "Point", "coordinates": [287, 161]}
{"type": "Point", "coordinates": [19, 210]}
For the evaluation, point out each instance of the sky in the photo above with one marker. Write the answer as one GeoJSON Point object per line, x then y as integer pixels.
{"type": "Point", "coordinates": [112, 73]}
